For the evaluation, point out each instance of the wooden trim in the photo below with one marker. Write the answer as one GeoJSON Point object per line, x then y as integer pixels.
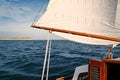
{"type": "Point", "coordinates": [105, 72]}
{"type": "Point", "coordinates": [79, 33]}
{"type": "Point", "coordinates": [97, 64]}
{"type": "Point", "coordinates": [105, 66]}
{"type": "Point", "coordinates": [112, 61]}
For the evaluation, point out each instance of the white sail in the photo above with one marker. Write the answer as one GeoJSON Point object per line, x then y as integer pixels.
{"type": "Point", "coordinates": [88, 16]}
{"type": "Point", "coordinates": [117, 23]}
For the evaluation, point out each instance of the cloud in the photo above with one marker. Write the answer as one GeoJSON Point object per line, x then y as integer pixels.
{"type": "Point", "coordinates": [18, 13]}
{"type": "Point", "coordinates": [16, 18]}
{"type": "Point", "coordinates": [21, 10]}
{"type": "Point", "coordinates": [22, 30]}
{"type": "Point", "coordinates": [14, 0]}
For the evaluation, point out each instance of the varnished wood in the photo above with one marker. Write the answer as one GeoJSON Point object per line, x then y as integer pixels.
{"type": "Point", "coordinates": [97, 64]}
{"type": "Point", "coordinates": [79, 33]}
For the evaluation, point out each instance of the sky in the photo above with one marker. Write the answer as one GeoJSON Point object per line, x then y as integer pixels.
{"type": "Point", "coordinates": [17, 16]}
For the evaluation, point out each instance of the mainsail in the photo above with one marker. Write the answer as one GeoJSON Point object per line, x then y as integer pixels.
{"type": "Point", "coordinates": [117, 22]}
{"type": "Point", "coordinates": [96, 21]}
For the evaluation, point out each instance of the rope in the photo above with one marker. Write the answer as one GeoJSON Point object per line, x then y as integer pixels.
{"type": "Point", "coordinates": [38, 12]}
{"type": "Point", "coordinates": [48, 65]}
{"type": "Point", "coordinates": [48, 48]}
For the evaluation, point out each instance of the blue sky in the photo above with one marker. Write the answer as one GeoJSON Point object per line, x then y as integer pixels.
{"type": "Point", "coordinates": [16, 17]}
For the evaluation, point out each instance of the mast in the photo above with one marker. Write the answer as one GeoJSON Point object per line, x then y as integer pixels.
{"type": "Point", "coordinates": [110, 55]}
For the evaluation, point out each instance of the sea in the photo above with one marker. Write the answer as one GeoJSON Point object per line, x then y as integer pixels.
{"type": "Point", "coordinates": [23, 59]}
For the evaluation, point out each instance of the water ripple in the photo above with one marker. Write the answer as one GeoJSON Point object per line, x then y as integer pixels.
{"type": "Point", "coordinates": [23, 60]}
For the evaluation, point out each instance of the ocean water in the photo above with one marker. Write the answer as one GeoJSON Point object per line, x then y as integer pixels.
{"type": "Point", "coordinates": [23, 60]}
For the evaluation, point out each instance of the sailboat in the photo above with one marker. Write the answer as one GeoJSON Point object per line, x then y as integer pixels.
{"type": "Point", "coordinates": [95, 22]}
